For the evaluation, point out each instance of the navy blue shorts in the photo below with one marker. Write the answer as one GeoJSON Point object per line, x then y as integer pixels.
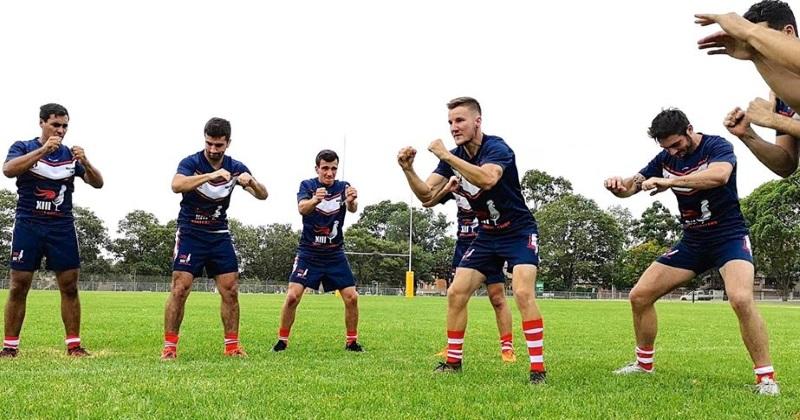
{"type": "Point", "coordinates": [487, 253]}
{"type": "Point", "coordinates": [195, 250]}
{"type": "Point", "coordinates": [461, 248]}
{"type": "Point", "coordinates": [333, 272]}
{"type": "Point", "coordinates": [57, 243]}
{"type": "Point", "coordinates": [700, 257]}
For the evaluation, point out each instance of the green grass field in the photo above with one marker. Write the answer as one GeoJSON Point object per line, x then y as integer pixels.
{"type": "Point", "coordinates": [702, 367]}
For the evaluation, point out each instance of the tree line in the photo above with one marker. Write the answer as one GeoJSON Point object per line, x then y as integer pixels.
{"type": "Point", "coordinates": [581, 243]}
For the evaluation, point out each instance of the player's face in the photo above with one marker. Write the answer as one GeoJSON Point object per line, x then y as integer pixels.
{"type": "Point", "coordinates": [54, 126]}
{"type": "Point", "coordinates": [465, 124]}
{"type": "Point", "coordinates": [215, 147]}
{"type": "Point", "coordinates": [678, 145]}
{"type": "Point", "coordinates": [326, 171]}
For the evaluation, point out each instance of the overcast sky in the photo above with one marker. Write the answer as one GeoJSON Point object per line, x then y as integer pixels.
{"type": "Point", "coordinates": [571, 86]}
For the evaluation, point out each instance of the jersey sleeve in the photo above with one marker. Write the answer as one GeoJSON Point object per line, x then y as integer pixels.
{"type": "Point", "coordinates": [654, 168]}
{"type": "Point", "coordinates": [187, 167]}
{"type": "Point", "coordinates": [722, 151]}
{"type": "Point", "coordinates": [305, 191]}
{"type": "Point", "coordinates": [498, 153]}
{"type": "Point", "coordinates": [783, 109]}
{"type": "Point", "coordinates": [16, 150]}
{"type": "Point", "coordinates": [444, 169]}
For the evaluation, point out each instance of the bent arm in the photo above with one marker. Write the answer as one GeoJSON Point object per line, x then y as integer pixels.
{"type": "Point", "coordinates": [183, 184]}
{"type": "Point", "coordinates": [424, 190]}
{"type": "Point", "coordinates": [484, 177]}
{"type": "Point", "coordinates": [257, 190]}
{"type": "Point", "coordinates": [92, 175]}
{"type": "Point", "coordinates": [307, 206]}
{"type": "Point", "coordinates": [715, 176]}
{"type": "Point", "coordinates": [780, 157]}
{"type": "Point", "coordinates": [21, 164]}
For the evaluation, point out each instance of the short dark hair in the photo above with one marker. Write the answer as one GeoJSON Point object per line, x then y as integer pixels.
{"type": "Point", "coordinates": [327, 155]}
{"type": "Point", "coordinates": [668, 122]}
{"type": "Point", "coordinates": [776, 13]}
{"type": "Point", "coordinates": [218, 127]}
{"type": "Point", "coordinates": [466, 101]}
{"type": "Point", "coordinates": [46, 110]}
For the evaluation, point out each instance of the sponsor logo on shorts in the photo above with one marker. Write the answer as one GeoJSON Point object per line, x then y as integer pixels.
{"type": "Point", "coordinates": [533, 242]}
{"type": "Point", "coordinates": [16, 256]}
{"type": "Point", "coordinates": [468, 254]}
{"type": "Point", "coordinates": [185, 259]}
{"type": "Point", "coordinates": [301, 273]}
{"type": "Point", "coordinates": [670, 253]}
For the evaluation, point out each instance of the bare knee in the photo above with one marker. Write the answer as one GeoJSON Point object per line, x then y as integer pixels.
{"type": "Point", "coordinates": [181, 288]}
{"type": "Point", "coordinates": [498, 299]}
{"type": "Point", "coordinates": [229, 293]}
{"type": "Point", "coordinates": [292, 299]}
{"type": "Point", "coordinates": [457, 297]}
{"type": "Point", "coordinates": [18, 290]}
{"type": "Point", "coordinates": [640, 299]}
{"type": "Point", "coordinates": [350, 299]}
{"type": "Point", "coordinates": [741, 303]}
{"type": "Point", "coordinates": [69, 290]}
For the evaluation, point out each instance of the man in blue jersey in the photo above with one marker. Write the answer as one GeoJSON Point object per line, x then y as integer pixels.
{"type": "Point", "coordinates": [320, 254]}
{"type": "Point", "coordinates": [782, 156]}
{"type": "Point", "coordinates": [468, 228]}
{"type": "Point", "coordinates": [206, 180]}
{"type": "Point", "coordinates": [487, 176]}
{"type": "Point", "coordinates": [701, 171]}
{"type": "Point", "coordinates": [45, 169]}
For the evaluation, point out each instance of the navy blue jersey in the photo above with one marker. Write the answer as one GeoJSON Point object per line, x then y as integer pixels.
{"type": "Point", "coordinates": [323, 229]}
{"type": "Point", "coordinates": [502, 209]}
{"type": "Point", "coordinates": [706, 215]}
{"type": "Point", "coordinates": [45, 190]}
{"type": "Point", "coordinates": [468, 225]}
{"type": "Point", "coordinates": [785, 110]}
{"type": "Point", "coordinates": [205, 207]}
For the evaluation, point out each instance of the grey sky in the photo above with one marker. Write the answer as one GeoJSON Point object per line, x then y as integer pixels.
{"type": "Point", "coordinates": [571, 86]}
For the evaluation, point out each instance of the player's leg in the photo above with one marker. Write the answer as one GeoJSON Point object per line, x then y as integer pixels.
{"type": "Point", "coordinates": [523, 282]}
{"type": "Point", "coordinates": [350, 299]}
{"type": "Point", "coordinates": [502, 312]}
{"type": "Point", "coordinates": [173, 312]}
{"type": "Point", "coordinates": [15, 310]}
{"type": "Point", "coordinates": [658, 280]}
{"type": "Point", "coordinates": [465, 283]}
{"type": "Point", "coordinates": [71, 310]}
{"type": "Point", "coordinates": [228, 288]}
{"type": "Point", "coordinates": [737, 272]}
{"type": "Point", "coordinates": [27, 249]}
{"type": "Point", "coordinates": [294, 294]}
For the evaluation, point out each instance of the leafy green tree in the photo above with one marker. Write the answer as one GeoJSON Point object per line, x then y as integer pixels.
{"type": "Point", "coordinates": [266, 253]}
{"type": "Point", "coordinates": [634, 261]}
{"type": "Point", "coordinates": [626, 223]}
{"type": "Point", "coordinates": [145, 246]}
{"type": "Point", "coordinates": [579, 242]}
{"type": "Point", "coordinates": [657, 224]}
{"type": "Point", "coordinates": [93, 241]}
{"type": "Point", "coordinates": [773, 211]}
{"type": "Point", "coordinates": [389, 221]}
{"type": "Point", "coordinates": [540, 188]}
{"type": "Point", "coordinates": [8, 206]}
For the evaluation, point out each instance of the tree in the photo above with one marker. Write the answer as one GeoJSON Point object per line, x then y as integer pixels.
{"type": "Point", "coordinates": [540, 188]}
{"type": "Point", "coordinates": [773, 211]}
{"type": "Point", "coordinates": [580, 242]}
{"type": "Point", "coordinates": [626, 223]}
{"type": "Point", "coordinates": [93, 241]}
{"type": "Point", "coordinates": [145, 246]}
{"type": "Point", "coordinates": [266, 253]}
{"type": "Point", "coordinates": [657, 224]}
{"type": "Point", "coordinates": [634, 261]}
{"type": "Point", "coordinates": [8, 207]}
{"type": "Point", "coordinates": [389, 221]}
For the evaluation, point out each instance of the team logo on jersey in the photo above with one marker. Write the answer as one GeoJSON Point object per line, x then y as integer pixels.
{"type": "Point", "coordinates": [326, 235]}
{"type": "Point", "coordinates": [16, 256]}
{"type": "Point", "coordinates": [185, 259]}
{"type": "Point", "coordinates": [49, 200]}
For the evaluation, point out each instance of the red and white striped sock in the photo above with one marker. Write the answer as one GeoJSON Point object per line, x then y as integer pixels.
{"type": "Point", "coordinates": [72, 341]}
{"type": "Point", "coordinates": [10, 342]}
{"type": "Point", "coordinates": [764, 372]}
{"type": "Point", "coordinates": [645, 356]}
{"type": "Point", "coordinates": [283, 334]}
{"type": "Point", "coordinates": [231, 341]}
{"type": "Point", "coordinates": [506, 342]}
{"type": "Point", "coordinates": [171, 340]}
{"type": "Point", "coordinates": [455, 344]}
{"type": "Point", "coordinates": [534, 338]}
{"type": "Point", "coordinates": [351, 337]}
